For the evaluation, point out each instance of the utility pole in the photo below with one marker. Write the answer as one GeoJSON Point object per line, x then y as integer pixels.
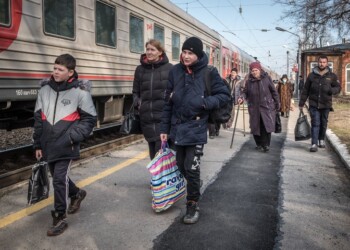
{"type": "Point", "coordinates": [298, 59]}
{"type": "Point", "coordinates": [288, 64]}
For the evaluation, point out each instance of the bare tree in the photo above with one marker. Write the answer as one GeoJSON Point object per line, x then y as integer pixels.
{"type": "Point", "coordinates": [318, 19]}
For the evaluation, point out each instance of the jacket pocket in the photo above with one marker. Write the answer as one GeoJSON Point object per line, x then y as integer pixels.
{"type": "Point", "coordinates": [191, 132]}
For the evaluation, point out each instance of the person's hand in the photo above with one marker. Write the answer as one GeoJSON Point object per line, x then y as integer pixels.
{"type": "Point", "coordinates": [38, 154]}
{"type": "Point", "coordinates": [240, 101]}
{"type": "Point", "coordinates": [164, 137]}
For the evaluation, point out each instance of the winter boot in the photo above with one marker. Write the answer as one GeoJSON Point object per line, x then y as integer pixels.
{"type": "Point", "coordinates": [321, 144]}
{"type": "Point", "coordinates": [192, 213]}
{"type": "Point", "coordinates": [59, 224]}
{"type": "Point", "coordinates": [75, 201]}
{"type": "Point", "coordinates": [313, 148]}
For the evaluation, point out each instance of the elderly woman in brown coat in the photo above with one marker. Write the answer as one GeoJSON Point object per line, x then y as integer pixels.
{"type": "Point", "coordinates": [263, 103]}
{"type": "Point", "coordinates": [285, 90]}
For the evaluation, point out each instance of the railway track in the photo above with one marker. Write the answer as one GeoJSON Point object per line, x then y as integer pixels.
{"type": "Point", "coordinates": [16, 164]}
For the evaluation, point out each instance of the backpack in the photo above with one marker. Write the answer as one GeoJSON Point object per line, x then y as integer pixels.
{"type": "Point", "coordinates": [222, 114]}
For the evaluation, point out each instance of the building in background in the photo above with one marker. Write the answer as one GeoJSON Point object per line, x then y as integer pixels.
{"type": "Point", "coordinates": [338, 60]}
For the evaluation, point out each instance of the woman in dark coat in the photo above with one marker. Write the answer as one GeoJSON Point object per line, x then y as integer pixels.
{"type": "Point", "coordinates": [285, 90]}
{"type": "Point", "coordinates": [263, 103]}
{"type": "Point", "coordinates": [150, 82]}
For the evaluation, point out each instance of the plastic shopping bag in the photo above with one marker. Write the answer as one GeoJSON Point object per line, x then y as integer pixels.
{"type": "Point", "coordinates": [39, 184]}
{"type": "Point", "coordinates": [167, 183]}
{"type": "Point", "coordinates": [302, 129]}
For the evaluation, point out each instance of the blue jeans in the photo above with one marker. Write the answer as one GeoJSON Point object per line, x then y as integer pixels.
{"type": "Point", "coordinates": [319, 121]}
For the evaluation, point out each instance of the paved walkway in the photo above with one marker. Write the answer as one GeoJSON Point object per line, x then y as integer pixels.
{"type": "Point", "coordinates": [288, 198]}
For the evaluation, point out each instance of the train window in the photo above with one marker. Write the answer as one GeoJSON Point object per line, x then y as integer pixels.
{"type": "Point", "coordinates": [59, 18]}
{"type": "Point", "coordinates": [175, 46]}
{"type": "Point", "coordinates": [5, 10]}
{"type": "Point", "coordinates": [105, 24]}
{"type": "Point", "coordinates": [136, 34]}
{"type": "Point", "coordinates": [347, 74]}
{"type": "Point", "coordinates": [207, 51]}
{"type": "Point", "coordinates": [159, 33]}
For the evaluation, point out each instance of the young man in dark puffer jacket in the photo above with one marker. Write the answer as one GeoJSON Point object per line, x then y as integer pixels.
{"type": "Point", "coordinates": [64, 116]}
{"type": "Point", "coordinates": [185, 116]}
{"type": "Point", "coordinates": [319, 87]}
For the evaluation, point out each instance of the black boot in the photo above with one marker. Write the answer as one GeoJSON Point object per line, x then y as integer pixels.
{"type": "Point", "coordinates": [75, 201]}
{"type": "Point", "coordinates": [192, 212]}
{"type": "Point", "coordinates": [59, 224]}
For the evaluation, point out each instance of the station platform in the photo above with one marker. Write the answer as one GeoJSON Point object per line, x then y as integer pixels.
{"type": "Point", "coordinates": [288, 198]}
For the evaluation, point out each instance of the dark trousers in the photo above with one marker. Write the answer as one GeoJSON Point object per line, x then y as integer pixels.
{"type": "Point", "coordinates": [214, 129]}
{"type": "Point", "coordinates": [319, 122]}
{"type": "Point", "coordinates": [154, 147]}
{"type": "Point", "coordinates": [63, 186]}
{"type": "Point", "coordinates": [188, 162]}
{"type": "Point", "coordinates": [264, 138]}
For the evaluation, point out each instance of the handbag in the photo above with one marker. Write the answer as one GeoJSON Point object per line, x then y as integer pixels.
{"type": "Point", "coordinates": [302, 129]}
{"type": "Point", "coordinates": [131, 123]}
{"type": "Point", "coordinates": [167, 182]}
{"type": "Point", "coordinates": [278, 124]}
{"type": "Point", "coordinates": [39, 184]}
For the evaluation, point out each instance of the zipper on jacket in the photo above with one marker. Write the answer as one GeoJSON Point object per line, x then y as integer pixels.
{"type": "Point", "coordinates": [54, 111]}
{"type": "Point", "coordinates": [151, 102]}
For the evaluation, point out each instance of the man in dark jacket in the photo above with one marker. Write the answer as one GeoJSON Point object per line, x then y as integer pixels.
{"type": "Point", "coordinates": [319, 87]}
{"type": "Point", "coordinates": [64, 116]}
{"type": "Point", "coordinates": [185, 116]}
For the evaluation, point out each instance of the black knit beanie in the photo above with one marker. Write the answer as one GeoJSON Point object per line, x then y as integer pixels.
{"type": "Point", "coordinates": [195, 45]}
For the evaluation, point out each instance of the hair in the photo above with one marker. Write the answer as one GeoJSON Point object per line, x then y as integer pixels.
{"type": "Point", "coordinates": [234, 69]}
{"type": "Point", "coordinates": [66, 60]}
{"type": "Point", "coordinates": [322, 57]}
{"type": "Point", "coordinates": [156, 44]}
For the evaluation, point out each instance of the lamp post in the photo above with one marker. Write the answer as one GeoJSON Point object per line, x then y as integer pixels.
{"type": "Point", "coordinates": [298, 55]}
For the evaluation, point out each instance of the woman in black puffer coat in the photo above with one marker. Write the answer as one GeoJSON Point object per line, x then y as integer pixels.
{"type": "Point", "coordinates": [150, 82]}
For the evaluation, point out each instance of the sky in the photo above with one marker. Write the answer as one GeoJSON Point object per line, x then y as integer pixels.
{"type": "Point", "coordinates": [224, 16]}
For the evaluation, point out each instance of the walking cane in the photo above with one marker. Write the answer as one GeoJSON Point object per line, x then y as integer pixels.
{"type": "Point", "coordinates": [243, 120]}
{"type": "Point", "coordinates": [234, 128]}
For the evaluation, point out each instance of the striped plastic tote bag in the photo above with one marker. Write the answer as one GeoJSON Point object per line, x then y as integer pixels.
{"type": "Point", "coordinates": [167, 183]}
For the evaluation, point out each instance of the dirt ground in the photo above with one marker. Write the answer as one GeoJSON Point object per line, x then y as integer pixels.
{"type": "Point", "coordinates": [339, 120]}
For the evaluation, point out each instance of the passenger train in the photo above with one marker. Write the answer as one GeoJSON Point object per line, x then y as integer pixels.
{"type": "Point", "coordinates": [106, 37]}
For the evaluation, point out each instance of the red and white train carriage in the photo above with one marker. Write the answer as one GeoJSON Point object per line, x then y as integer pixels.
{"type": "Point", "coordinates": [105, 36]}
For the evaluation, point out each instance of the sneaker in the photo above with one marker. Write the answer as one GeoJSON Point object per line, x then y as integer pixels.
{"type": "Point", "coordinates": [266, 149]}
{"type": "Point", "coordinates": [211, 137]}
{"type": "Point", "coordinates": [321, 144]}
{"type": "Point", "coordinates": [313, 148]}
{"type": "Point", "coordinates": [259, 148]}
{"type": "Point", "coordinates": [59, 224]}
{"type": "Point", "coordinates": [192, 213]}
{"type": "Point", "coordinates": [75, 201]}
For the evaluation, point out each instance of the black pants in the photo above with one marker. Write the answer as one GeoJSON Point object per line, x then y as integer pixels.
{"type": "Point", "coordinates": [188, 162]}
{"type": "Point", "coordinates": [264, 138]}
{"type": "Point", "coordinates": [154, 147]}
{"type": "Point", "coordinates": [214, 129]}
{"type": "Point", "coordinates": [63, 186]}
